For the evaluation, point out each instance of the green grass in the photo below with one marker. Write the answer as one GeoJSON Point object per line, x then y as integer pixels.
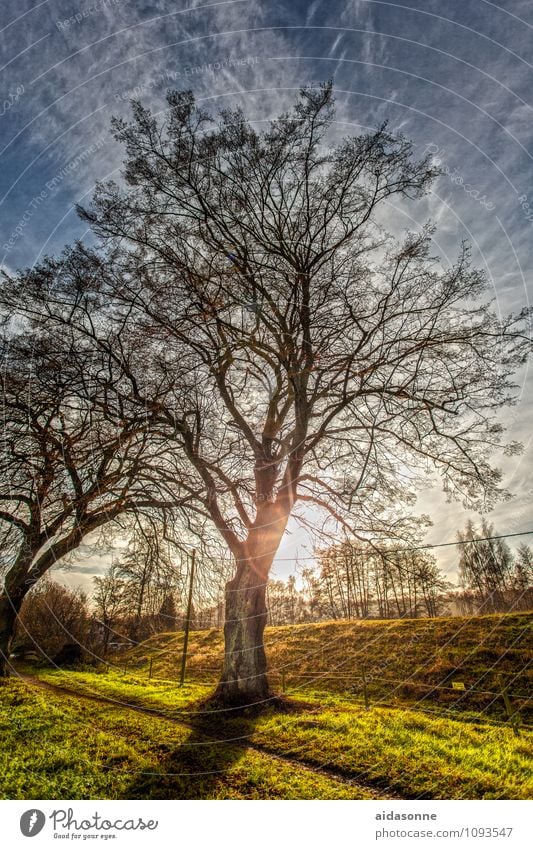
{"type": "Point", "coordinates": [57, 747]}
{"type": "Point", "coordinates": [164, 696]}
{"type": "Point", "coordinates": [404, 752]}
{"type": "Point", "coordinates": [403, 660]}
{"type": "Point", "coordinates": [326, 747]}
{"type": "Point", "coordinates": [410, 754]}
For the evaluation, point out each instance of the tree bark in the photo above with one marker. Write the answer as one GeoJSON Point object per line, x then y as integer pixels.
{"type": "Point", "coordinates": [9, 609]}
{"type": "Point", "coordinates": [244, 680]}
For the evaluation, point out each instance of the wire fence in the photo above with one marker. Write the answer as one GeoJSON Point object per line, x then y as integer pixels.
{"type": "Point", "coordinates": [455, 698]}
{"type": "Point", "coordinates": [489, 697]}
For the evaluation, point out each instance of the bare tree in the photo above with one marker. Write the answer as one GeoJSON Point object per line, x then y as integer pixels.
{"type": "Point", "coordinates": [52, 616]}
{"type": "Point", "coordinates": [307, 357]}
{"type": "Point", "coordinates": [73, 459]}
{"type": "Point", "coordinates": [151, 575]}
{"type": "Point", "coordinates": [485, 566]}
{"type": "Point", "coordinates": [111, 607]}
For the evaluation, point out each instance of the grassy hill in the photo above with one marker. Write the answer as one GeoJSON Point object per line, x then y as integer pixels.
{"type": "Point", "coordinates": [419, 661]}
{"type": "Point", "coordinates": [114, 733]}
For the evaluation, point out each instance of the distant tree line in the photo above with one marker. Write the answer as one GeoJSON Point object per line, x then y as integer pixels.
{"type": "Point", "coordinates": [64, 625]}
{"type": "Point", "coordinates": [142, 593]}
{"type": "Point", "coordinates": [493, 579]}
{"type": "Point", "coordinates": [53, 617]}
{"type": "Point", "coordinates": [360, 581]}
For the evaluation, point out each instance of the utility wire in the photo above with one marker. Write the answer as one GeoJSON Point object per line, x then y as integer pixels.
{"type": "Point", "coordinates": [424, 547]}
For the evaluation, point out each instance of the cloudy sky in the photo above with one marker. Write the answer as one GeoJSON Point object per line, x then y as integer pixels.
{"type": "Point", "coordinates": [454, 75]}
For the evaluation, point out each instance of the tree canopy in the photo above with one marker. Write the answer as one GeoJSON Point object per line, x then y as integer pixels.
{"type": "Point", "coordinates": [294, 352]}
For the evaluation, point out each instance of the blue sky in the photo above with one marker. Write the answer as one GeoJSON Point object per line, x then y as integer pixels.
{"type": "Point", "coordinates": [454, 76]}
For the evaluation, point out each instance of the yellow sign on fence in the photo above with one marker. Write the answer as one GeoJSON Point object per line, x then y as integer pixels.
{"type": "Point", "coordinates": [458, 685]}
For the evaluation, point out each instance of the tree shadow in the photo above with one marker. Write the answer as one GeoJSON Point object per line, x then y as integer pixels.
{"type": "Point", "coordinates": [206, 764]}
{"type": "Point", "coordinates": [200, 767]}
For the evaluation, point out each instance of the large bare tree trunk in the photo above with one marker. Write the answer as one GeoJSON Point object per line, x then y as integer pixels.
{"type": "Point", "coordinates": [244, 680]}
{"type": "Point", "coordinates": [9, 609]}
{"type": "Point", "coordinates": [16, 586]}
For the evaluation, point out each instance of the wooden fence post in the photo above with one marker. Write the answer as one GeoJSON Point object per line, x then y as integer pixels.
{"type": "Point", "coordinates": [512, 715]}
{"type": "Point", "coordinates": [365, 690]}
{"type": "Point", "coordinates": [187, 621]}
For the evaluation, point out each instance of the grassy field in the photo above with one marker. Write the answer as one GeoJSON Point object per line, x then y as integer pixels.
{"type": "Point", "coordinates": [404, 661]}
{"type": "Point", "coordinates": [108, 734]}
{"type": "Point", "coordinates": [77, 746]}
{"type": "Point", "coordinates": [66, 747]}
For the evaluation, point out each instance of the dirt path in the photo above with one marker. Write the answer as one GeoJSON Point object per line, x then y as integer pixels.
{"type": "Point", "coordinates": [341, 777]}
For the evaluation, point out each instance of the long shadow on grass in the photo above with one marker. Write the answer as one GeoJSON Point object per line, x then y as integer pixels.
{"type": "Point", "coordinates": [199, 767]}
